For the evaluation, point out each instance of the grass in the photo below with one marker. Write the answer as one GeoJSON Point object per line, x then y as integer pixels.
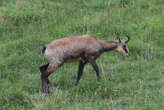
{"type": "Point", "coordinates": [128, 83]}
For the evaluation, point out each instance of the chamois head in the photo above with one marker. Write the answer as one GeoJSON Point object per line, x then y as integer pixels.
{"type": "Point", "coordinates": [122, 47]}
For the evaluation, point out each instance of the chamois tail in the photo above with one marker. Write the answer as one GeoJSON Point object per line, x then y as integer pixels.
{"type": "Point", "coordinates": [43, 50]}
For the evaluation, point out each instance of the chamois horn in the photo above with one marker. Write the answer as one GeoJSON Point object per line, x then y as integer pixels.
{"type": "Point", "coordinates": [128, 39]}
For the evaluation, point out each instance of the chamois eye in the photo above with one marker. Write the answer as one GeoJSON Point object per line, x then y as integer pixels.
{"type": "Point", "coordinates": [125, 49]}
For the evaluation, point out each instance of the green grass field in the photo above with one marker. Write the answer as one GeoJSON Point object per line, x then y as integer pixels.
{"type": "Point", "coordinates": [128, 83]}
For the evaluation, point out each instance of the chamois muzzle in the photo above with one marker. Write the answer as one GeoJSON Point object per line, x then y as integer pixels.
{"type": "Point", "coordinates": [128, 39]}
{"type": "Point", "coordinates": [127, 54]}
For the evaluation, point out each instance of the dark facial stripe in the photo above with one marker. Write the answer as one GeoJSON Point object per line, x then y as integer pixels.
{"type": "Point", "coordinates": [125, 49]}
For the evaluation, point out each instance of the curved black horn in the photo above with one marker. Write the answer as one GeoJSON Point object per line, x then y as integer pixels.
{"type": "Point", "coordinates": [117, 36]}
{"type": "Point", "coordinates": [128, 39]}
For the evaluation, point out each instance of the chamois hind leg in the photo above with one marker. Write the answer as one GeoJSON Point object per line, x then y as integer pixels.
{"type": "Point", "coordinates": [95, 66]}
{"type": "Point", "coordinates": [42, 70]}
{"type": "Point", "coordinates": [44, 77]}
{"type": "Point", "coordinates": [80, 71]}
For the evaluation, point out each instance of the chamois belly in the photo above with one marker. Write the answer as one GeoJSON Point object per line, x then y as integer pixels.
{"type": "Point", "coordinates": [73, 60]}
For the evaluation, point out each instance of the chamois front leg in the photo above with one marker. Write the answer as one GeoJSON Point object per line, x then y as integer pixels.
{"type": "Point", "coordinates": [80, 71]}
{"type": "Point", "coordinates": [95, 66]}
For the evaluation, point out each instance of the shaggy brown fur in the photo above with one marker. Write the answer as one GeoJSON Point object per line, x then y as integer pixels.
{"type": "Point", "coordinates": [85, 49]}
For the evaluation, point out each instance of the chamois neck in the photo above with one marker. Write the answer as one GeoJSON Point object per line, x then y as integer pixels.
{"type": "Point", "coordinates": [108, 46]}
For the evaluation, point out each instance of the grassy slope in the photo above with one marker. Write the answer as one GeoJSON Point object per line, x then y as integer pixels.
{"type": "Point", "coordinates": [133, 83]}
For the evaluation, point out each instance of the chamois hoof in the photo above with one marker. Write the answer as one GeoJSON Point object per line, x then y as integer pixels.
{"type": "Point", "coordinates": [76, 84]}
{"type": "Point", "coordinates": [44, 94]}
{"type": "Point", "coordinates": [99, 80]}
{"type": "Point", "coordinates": [50, 87]}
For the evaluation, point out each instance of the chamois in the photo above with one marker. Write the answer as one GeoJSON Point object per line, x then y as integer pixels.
{"type": "Point", "coordinates": [85, 49]}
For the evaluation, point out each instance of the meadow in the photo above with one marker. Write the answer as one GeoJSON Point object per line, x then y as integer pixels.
{"type": "Point", "coordinates": [128, 83]}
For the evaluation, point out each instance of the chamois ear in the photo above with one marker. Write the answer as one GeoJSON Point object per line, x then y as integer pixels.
{"type": "Point", "coordinates": [118, 37]}
{"type": "Point", "coordinates": [128, 39]}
